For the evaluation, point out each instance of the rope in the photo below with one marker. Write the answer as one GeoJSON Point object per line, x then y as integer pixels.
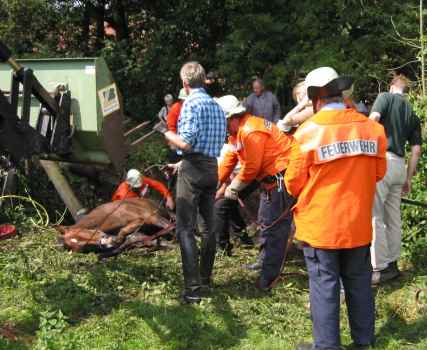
{"type": "Point", "coordinates": [37, 206]}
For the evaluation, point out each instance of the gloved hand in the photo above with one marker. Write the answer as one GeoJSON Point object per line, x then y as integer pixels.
{"type": "Point", "coordinates": [173, 167]}
{"type": "Point", "coordinates": [161, 127]}
{"type": "Point", "coordinates": [232, 191]}
{"type": "Point", "coordinates": [283, 125]}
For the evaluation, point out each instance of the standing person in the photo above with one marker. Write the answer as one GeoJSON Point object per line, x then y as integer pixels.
{"type": "Point", "coordinates": [333, 173]}
{"type": "Point", "coordinates": [262, 103]}
{"type": "Point", "coordinates": [402, 126]}
{"type": "Point", "coordinates": [201, 135]}
{"type": "Point", "coordinates": [301, 112]}
{"type": "Point", "coordinates": [175, 111]}
{"type": "Point", "coordinates": [263, 152]}
{"type": "Point", "coordinates": [166, 108]}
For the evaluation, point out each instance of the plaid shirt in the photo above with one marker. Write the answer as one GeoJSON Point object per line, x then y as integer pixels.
{"type": "Point", "coordinates": [202, 124]}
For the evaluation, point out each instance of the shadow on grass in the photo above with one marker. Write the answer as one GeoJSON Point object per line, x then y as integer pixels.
{"type": "Point", "coordinates": [77, 302]}
{"type": "Point", "coordinates": [398, 328]}
{"type": "Point", "coordinates": [189, 327]}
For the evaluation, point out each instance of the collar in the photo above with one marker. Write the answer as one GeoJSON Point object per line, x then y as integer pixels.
{"type": "Point", "coordinates": [193, 91]}
{"type": "Point", "coordinates": [333, 105]}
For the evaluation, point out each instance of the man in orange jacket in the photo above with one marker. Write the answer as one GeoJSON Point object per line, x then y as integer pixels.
{"type": "Point", "coordinates": [340, 155]}
{"type": "Point", "coordinates": [263, 152]}
{"type": "Point", "coordinates": [137, 185]}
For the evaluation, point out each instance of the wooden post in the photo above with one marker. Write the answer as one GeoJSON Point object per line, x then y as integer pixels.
{"type": "Point", "coordinates": [62, 186]}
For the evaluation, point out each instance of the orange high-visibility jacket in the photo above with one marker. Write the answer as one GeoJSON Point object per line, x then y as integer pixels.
{"type": "Point", "coordinates": [125, 191]}
{"type": "Point", "coordinates": [261, 149]}
{"type": "Point", "coordinates": [333, 172]}
{"type": "Point", "coordinates": [173, 116]}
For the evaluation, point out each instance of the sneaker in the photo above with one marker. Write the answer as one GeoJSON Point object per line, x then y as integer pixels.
{"type": "Point", "coordinates": [304, 346]}
{"type": "Point", "coordinates": [191, 297]}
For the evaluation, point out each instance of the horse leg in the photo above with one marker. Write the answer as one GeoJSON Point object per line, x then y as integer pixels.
{"type": "Point", "coordinates": [128, 229]}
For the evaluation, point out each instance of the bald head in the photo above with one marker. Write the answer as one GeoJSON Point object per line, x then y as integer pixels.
{"type": "Point", "coordinates": [258, 87]}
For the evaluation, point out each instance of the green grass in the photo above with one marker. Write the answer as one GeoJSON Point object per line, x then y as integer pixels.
{"type": "Point", "coordinates": [53, 299]}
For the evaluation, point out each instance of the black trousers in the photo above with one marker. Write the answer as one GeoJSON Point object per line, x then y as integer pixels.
{"type": "Point", "coordinates": [227, 215]}
{"type": "Point", "coordinates": [196, 187]}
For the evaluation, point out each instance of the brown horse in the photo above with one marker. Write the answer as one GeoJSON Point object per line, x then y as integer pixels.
{"type": "Point", "coordinates": [122, 217]}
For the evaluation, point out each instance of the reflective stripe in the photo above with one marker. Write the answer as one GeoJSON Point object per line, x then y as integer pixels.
{"type": "Point", "coordinates": [347, 149]}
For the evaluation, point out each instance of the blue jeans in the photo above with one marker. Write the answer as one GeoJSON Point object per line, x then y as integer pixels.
{"type": "Point", "coordinates": [325, 268]}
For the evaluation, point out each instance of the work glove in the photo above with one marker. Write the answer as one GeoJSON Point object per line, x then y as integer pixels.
{"type": "Point", "coordinates": [283, 125]}
{"type": "Point", "coordinates": [173, 167]}
{"type": "Point", "coordinates": [161, 127]}
{"type": "Point", "coordinates": [232, 191]}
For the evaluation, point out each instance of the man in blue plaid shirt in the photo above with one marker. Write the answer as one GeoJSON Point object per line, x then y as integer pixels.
{"type": "Point", "coordinates": [201, 135]}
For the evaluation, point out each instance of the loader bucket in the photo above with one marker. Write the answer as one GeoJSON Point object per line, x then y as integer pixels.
{"type": "Point", "coordinates": [96, 107]}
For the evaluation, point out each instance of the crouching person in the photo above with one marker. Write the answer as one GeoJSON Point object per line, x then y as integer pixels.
{"type": "Point", "coordinates": [137, 185]}
{"type": "Point", "coordinates": [340, 155]}
{"type": "Point", "coordinates": [263, 152]}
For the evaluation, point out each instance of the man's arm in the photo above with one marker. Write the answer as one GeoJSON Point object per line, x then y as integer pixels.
{"type": "Point", "coordinates": [296, 176]}
{"type": "Point", "coordinates": [158, 186]}
{"type": "Point", "coordinates": [412, 167]}
{"type": "Point", "coordinates": [227, 166]}
{"type": "Point", "coordinates": [177, 141]}
{"type": "Point", "coordinates": [253, 151]}
{"type": "Point", "coordinates": [379, 109]}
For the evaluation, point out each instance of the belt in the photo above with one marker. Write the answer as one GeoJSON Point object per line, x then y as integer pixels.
{"type": "Point", "coordinates": [195, 156]}
{"type": "Point", "coordinates": [270, 182]}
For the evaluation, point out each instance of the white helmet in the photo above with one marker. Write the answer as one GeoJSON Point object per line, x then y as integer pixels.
{"type": "Point", "coordinates": [134, 178]}
{"type": "Point", "coordinates": [230, 105]}
{"type": "Point", "coordinates": [325, 82]}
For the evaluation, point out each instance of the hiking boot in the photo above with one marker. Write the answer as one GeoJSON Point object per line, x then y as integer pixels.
{"type": "Point", "coordinates": [304, 346]}
{"type": "Point", "coordinates": [388, 274]}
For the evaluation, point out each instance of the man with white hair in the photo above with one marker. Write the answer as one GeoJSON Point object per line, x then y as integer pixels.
{"type": "Point", "coordinates": [340, 155]}
{"type": "Point", "coordinates": [263, 103]}
{"type": "Point", "coordinates": [201, 135]}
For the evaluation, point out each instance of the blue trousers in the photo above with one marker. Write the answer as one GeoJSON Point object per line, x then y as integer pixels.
{"type": "Point", "coordinates": [325, 268]}
{"type": "Point", "coordinates": [274, 238]}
